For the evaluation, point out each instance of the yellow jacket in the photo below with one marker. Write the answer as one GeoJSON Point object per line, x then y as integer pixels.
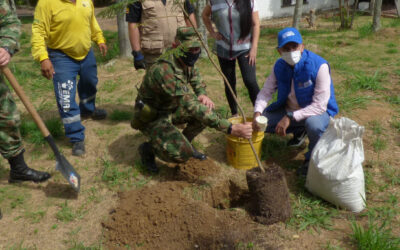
{"type": "Point", "coordinates": [62, 25]}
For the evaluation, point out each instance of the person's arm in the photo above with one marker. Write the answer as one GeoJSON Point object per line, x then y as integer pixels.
{"type": "Point", "coordinates": [206, 15]}
{"type": "Point", "coordinates": [40, 30]}
{"type": "Point", "coordinates": [322, 93]}
{"type": "Point", "coordinates": [134, 36]}
{"type": "Point", "coordinates": [255, 37]}
{"type": "Point", "coordinates": [265, 94]}
{"type": "Point", "coordinates": [133, 17]}
{"type": "Point", "coordinates": [9, 33]}
{"type": "Point", "coordinates": [189, 8]}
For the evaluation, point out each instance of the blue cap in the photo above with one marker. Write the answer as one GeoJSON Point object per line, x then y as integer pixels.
{"type": "Point", "coordinates": [288, 35]}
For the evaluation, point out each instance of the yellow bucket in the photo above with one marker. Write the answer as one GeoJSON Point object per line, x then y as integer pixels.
{"type": "Point", "coordinates": [238, 150]}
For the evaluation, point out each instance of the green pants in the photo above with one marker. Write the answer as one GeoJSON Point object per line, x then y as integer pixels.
{"type": "Point", "coordinates": [10, 136]}
{"type": "Point", "coordinates": [168, 142]}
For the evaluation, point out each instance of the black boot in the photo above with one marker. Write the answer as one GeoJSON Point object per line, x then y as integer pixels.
{"type": "Point", "coordinates": [198, 155]}
{"type": "Point", "coordinates": [21, 172]}
{"type": "Point", "coordinates": [148, 158]}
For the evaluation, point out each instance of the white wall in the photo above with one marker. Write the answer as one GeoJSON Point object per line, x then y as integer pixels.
{"type": "Point", "coordinates": [273, 8]}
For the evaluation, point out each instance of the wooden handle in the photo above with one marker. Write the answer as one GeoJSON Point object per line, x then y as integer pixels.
{"type": "Point", "coordinates": [25, 100]}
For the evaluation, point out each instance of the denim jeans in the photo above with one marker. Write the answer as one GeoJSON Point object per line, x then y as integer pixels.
{"type": "Point", "coordinates": [315, 126]}
{"type": "Point", "coordinates": [249, 78]}
{"type": "Point", "coordinates": [64, 80]}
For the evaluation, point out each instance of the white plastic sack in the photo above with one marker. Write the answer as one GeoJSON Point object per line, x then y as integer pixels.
{"type": "Point", "coordinates": [335, 172]}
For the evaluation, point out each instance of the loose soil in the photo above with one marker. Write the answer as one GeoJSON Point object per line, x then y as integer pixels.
{"type": "Point", "coordinates": [164, 217]}
{"type": "Point", "coordinates": [194, 170]}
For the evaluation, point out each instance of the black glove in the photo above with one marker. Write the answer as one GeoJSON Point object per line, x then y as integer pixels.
{"type": "Point", "coordinates": [138, 60]}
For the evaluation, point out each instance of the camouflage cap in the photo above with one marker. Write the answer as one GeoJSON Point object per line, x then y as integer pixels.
{"type": "Point", "coordinates": [187, 37]}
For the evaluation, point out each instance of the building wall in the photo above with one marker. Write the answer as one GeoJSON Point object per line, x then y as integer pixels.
{"type": "Point", "coordinates": [273, 8]}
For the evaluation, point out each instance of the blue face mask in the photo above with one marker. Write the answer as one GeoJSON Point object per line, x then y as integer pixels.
{"type": "Point", "coordinates": [189, 58]}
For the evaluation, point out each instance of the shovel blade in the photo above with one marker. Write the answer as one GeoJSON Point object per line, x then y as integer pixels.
{"type": "Point", "coordinates": [68, 171]}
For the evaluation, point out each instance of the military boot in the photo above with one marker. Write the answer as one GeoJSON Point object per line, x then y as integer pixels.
{"type": "Point", "coordinates": [21, 172]}
{"type": "Point", "coordinates": [148, 158]}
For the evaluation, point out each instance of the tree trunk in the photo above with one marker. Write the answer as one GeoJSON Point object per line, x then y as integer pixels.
{"type": "Point", "coordinates": [376, 25]}
{"type": "Point", "coordinates": [397, 3]}
{"type": "Point", "coordinates": [298, 9]}
{"type": "Point", "coordinates": [372, 7]}
{"type": "Point", "coordinates": [123, 36]}
{"type": "Point", "coordinates": [200, 4]}
{"type": "Point", "coordinates": [341, 14]}
{"type": "Point", "coordinates": [354, 13]}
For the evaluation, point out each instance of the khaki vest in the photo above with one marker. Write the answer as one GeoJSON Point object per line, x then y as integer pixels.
{"type": "Point", "coordinates": [159, 24]}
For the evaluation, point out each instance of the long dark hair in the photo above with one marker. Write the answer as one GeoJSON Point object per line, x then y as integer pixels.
{"type": "Point", "coordinates": [245, 11]}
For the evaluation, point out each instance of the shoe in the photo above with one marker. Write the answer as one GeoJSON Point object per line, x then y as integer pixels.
{"type": "Point", "coordinates": [97, 114]}
{"type": "Point", "coordinates": [21, 172]}
{"type": "Point", "coordinates": [147, 157]}
{"type": "Point", "coordinates": [303, 169]}
{"type": "Point", "coordinates": [298, 139]}
{"type": "Point", "coordinates": [198, 155]}
{"type": "Point", "coordinates": [78, 148]}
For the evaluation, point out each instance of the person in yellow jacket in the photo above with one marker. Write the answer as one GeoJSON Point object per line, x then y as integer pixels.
{"type": "Point", "coordinates": [62, 35]}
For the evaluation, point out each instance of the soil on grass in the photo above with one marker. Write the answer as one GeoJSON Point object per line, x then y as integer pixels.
{"type": "Point", "coordinates": [164, 217]}
{"type": "Point", "coordinates": [194, 170]}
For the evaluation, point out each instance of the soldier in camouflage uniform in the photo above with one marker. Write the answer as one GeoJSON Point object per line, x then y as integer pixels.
{"type": "Point", "coordinates": [10, 139]}
{"type": "Point", "coordinates": [171, 93]}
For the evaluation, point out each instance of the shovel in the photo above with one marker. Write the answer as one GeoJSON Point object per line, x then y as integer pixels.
{"type": "Point", "coordinates": [62, 165]}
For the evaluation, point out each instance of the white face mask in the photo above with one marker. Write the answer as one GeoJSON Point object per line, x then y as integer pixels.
{"type": "Point", "coordinates": [292, 57]}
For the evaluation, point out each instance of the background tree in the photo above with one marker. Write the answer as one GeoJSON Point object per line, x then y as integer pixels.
{"type": "Point", "coordinates": [376, 24]}
{"type": "Point", "coordinates": [123, 36]}
{"type": "Point", "coordinates": [298, 9]}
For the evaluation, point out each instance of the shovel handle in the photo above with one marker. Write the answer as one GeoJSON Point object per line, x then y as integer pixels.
{"type": "Point", "coordinates": [25, 100]}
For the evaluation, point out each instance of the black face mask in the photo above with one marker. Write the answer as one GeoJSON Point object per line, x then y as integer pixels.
{"type": "Point", "coordinates": [189, 58]}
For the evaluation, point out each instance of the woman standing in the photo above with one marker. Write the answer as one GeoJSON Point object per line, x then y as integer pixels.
{"type": "Point", "coordinates": [237, 37]}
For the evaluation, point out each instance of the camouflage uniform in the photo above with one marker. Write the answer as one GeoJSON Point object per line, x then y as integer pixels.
{"type": "Point", "coordinates": [10, 138]}
{"type": "Point", "coordinates": [173, 93]}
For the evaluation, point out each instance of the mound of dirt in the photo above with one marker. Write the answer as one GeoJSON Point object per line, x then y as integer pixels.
{"type": "Point", "coordinates": [270, 195]}
{"type": "Point", "coordinates": [164, 217]}
{"type": "Point", "coordinates": [194, 170]}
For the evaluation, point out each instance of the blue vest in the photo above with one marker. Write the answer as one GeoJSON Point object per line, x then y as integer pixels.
{"type": "Point", "coordinates": [304, 75]}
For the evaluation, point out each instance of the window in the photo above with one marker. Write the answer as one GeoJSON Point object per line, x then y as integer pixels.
{"type": "Point", "coordinates": [287, 3]}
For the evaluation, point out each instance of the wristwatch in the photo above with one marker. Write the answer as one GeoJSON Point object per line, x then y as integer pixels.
{"type": "Point", "coordinates": [289, 114]}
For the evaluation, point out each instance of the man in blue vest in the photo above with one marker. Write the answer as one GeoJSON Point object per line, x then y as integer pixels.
{"type": "Point", "coordinates": [306, 98]}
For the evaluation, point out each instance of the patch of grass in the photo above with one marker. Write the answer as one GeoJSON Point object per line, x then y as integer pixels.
{"type": "Point", "coordinates": [394, 23]}
{"type": "Point", "coordinates": [376, 127]}
{"type": "Point", "coordinates": [309, 212]}
{"type": "Point", "coordinates": [68, 214]}
{"type": "Point", "coordinates": [121, 115]}
{"type": "Point", "coordinates": [391, 174]}
{"type": "Point", "coordinates": [365, 30]}
{"type": "Point", "coordinates": [348, 101]}
{"type": "Point", "coordinates": [376, 235]}
{"type": "Point", "coordinates": [35, 217]}
{"type": "Point", "coordinates": [109, 86]}
{"type": "Point", "coordinates": [32, 134]}
{"type": "Point", "coordinates": [391, 51]}
{"type": "Point", "coordinates": [273, 146]}
{"type": "Point", "coordinates": [81, 246]}
{"type": "Point", "coordinates": [116, 177]}
{"type": "Point", "coordinates": [379, 145]}
{"type": "Point", "coordinates": [393, 99]}
{"type": "Point", "coordinates": [396, 124]}
{"type": "Point", "coordinates": [365, 82]}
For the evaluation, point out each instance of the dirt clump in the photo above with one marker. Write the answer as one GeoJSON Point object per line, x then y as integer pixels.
{"type": "Point", "coordinates": [164, 217]}
{"type": "Point", "coordinates": [270, 195]}
{"type": "Point", "coordinates": [195, 170]}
